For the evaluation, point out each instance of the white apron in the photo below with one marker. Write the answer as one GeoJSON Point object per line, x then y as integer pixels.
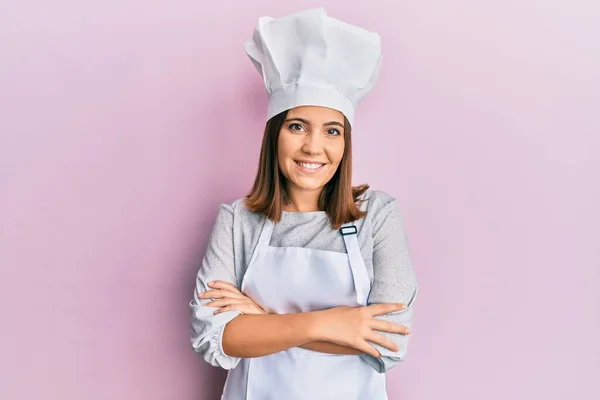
{"type": "Point", "coordinates": [290, 280]}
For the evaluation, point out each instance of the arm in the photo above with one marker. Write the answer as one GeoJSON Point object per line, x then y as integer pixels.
{"type": "Point", "coordinates": [260, 335]}
{"type": "Point", "coordinates": [217, 264]}
{"type": "Point", "coordinates": [255, 338]}
{"type": "Point", "coordinates": [331, 348]}
{"type": "Point", "coordinates": [394, 281]}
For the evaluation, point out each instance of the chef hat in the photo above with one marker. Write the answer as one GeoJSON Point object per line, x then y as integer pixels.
{"type": "Point", "coordinates": [309, 58]}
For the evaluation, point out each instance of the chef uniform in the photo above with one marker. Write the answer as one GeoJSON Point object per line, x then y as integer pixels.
{"type": "Point", "coordinates": [309, 58]}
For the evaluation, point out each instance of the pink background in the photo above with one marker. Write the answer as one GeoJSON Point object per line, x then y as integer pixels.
{"type": "Point", "coordinates": [123, 125]}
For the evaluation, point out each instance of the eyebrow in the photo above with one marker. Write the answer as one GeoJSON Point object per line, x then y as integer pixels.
{"type": "Point", "coordinates": [330, 123]}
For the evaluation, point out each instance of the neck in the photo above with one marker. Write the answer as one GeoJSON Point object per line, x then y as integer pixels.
{"type": "Point", "coordinates": [303, 200]}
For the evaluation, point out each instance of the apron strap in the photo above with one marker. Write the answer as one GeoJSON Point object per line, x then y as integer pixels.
{"type": "Point", "coordinates": [264, 239]}
{"type": "Point", "coordinates": [265, 234]}
{"type": "Point", "coordinates": [362, 284]}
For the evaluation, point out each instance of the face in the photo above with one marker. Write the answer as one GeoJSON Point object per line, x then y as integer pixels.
{"type": "Point", "coordinates": [310, 147]}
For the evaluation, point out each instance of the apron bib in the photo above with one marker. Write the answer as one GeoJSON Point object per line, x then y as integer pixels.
{"type": "Point", "coordinates": [291, 280]}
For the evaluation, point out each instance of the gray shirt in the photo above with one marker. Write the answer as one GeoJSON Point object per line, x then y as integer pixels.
{"type": "Point", "coordinates": [383, 244]}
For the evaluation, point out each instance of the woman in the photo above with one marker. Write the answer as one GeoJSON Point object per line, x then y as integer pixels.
{"type": "Point", "coordinates": [306, 290]}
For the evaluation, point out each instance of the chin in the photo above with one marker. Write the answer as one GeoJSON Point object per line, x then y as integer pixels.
{"type": "Point", "coordinates": [304, 185]}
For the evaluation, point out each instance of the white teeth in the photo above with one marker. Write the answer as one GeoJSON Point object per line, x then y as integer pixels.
{"type": "Point", "coordinates": [310, 166]}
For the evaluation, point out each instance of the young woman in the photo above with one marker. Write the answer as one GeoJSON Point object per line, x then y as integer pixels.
{"type": "Point", "coordinates": [306, 290]}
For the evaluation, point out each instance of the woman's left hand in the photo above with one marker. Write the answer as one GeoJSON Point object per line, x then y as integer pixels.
{"type": "Point", "coordinates": [230, 298]}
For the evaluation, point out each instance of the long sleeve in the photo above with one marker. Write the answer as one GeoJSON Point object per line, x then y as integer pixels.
{"type": "Point", "coordinates": [217, 264]}
{"type": "Point", "coordinates": [394, 281]}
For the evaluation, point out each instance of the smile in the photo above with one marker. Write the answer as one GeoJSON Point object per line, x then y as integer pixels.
{"type": "Point", "coordinates": [309, 167]}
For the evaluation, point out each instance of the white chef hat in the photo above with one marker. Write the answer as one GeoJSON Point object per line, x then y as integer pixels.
{"type": "Point", "coordinates": [309, 58]}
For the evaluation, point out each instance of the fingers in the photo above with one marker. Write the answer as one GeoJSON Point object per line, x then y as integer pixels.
{"type": "Point", "coordinates": [229, 298]}
{"type": "Point", "coordinates": [221, 293]}
{"type": "Point", "coordinates": [385, 308]}
{"type": "Point", "coordinates": [243, 308]}
{"type": "Point", "coordinates": [237, 307]}
{"type": "Point", "coordinates": [225, 302]}
{"type": "Point", "coordinates": [224, 285]}
{"type": "Point", "coordinates": [222, 289]}
{"type": "Point", "coordinates": [382, 341]}
{"type": "Point", "coordinates": [386, 326]}
{"type": "Point", "coordinates": [365, 347]}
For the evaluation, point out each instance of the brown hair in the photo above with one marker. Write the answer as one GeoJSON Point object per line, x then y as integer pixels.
{"type": "Point", "coordinates": [339, 199]}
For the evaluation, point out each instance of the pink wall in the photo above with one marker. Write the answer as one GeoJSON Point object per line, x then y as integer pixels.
{"type": "Point", "coordinates": [123, 125]}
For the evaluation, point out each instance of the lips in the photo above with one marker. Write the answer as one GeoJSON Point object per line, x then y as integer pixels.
{"type": "Point", "coordinates": [310, 165]}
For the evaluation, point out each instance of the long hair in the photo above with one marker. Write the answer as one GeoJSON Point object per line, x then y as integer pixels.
{"type": "Point", "coordinates": [339, 199]}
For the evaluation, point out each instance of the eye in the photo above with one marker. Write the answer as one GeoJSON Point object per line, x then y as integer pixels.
{"type": "Point", "coordinates": [295, 127]}
{"type": "Point", "coordinates": [334, 132]}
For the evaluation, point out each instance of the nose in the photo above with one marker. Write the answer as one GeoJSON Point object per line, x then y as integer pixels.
{"type": "Point", "coordinates": [313, 143]}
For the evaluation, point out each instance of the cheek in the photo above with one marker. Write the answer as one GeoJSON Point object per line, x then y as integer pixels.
{"type": "Point", "coordinates": [336, 153]}
{"type": "Point", "coordinates": [281, 162]}
{"type": "Point", "coordinates": [285, 147]}
{"type": "Point", "coordinates": [285, 152]}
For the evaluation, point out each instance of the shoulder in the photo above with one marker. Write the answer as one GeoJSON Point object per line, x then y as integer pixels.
{"type": "Point", "coordinates": [381, 207]}
{"type": "Point", "coordinates": [232, 207]}
{"type": "Point", "coordinates": [237, 210]}
{"type": "Point", "coordinates": [235, 221]}
{"type": "Point", "coordinates": [375, 201]}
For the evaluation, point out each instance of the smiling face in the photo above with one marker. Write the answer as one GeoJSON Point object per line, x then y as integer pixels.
{"type": "Point", "coordinates": [310, 147]}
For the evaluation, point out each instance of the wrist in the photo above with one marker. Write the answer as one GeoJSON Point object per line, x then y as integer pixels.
{"type": "Point", "coordinates": [315, 325]}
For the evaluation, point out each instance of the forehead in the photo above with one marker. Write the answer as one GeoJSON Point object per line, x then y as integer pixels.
{"type": "Point", "coordinates": [316, 114]}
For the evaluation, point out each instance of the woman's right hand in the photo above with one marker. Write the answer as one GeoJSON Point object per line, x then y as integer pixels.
{"type": "Point", "coordinates": [354, 326]}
